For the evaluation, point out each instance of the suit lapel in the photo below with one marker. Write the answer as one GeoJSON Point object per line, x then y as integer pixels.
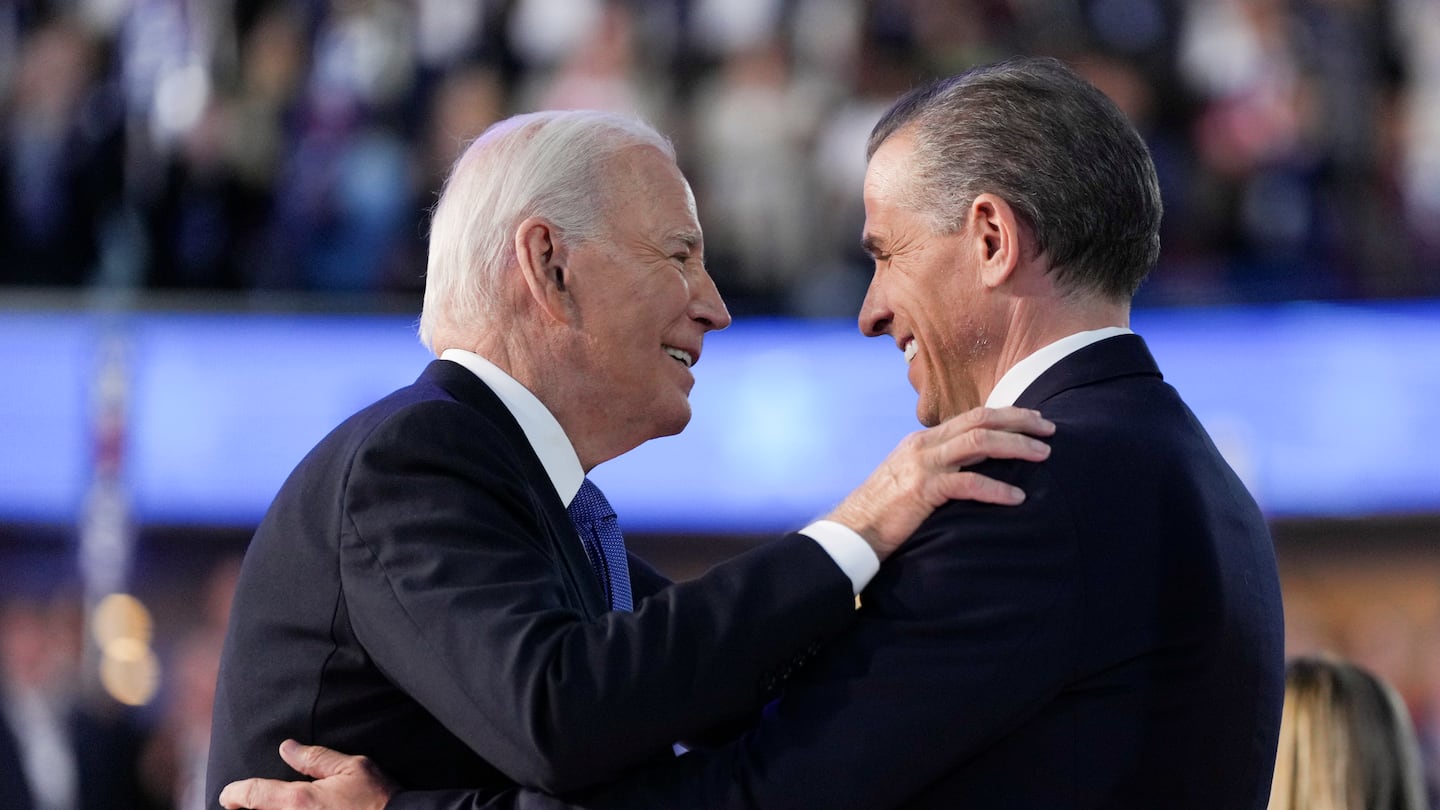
{"type": "Point", "coordinates": [1119, 356]}
{"type": "Point", "coordinates": [468, 389]}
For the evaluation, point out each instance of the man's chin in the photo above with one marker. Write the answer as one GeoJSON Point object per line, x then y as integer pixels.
{"type": "Point", "coordinates": [927, 414]}
{"type": "Point", "coordinates": [674, 423]}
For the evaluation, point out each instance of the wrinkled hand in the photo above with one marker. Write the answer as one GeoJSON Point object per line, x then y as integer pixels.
{"type": "Point", "coordinates": [926, 470]}
{"type": "Point", "coordinates": [343, 783]}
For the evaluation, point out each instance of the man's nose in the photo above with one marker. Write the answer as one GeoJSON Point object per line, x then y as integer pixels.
{"type": "Point", "coordinates": [706, 306]}
{"type": "Point", "coordinates": [875, 315]}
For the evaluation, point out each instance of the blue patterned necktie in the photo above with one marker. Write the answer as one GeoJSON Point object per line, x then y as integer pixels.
{"type": "Point", "coordinates": [595, 522]}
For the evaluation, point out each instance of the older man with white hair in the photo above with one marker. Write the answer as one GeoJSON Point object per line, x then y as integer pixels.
{"type": "Point", "coordinates": [438, 585]}
{"type": "Point", "coordinates": [1116, 641]}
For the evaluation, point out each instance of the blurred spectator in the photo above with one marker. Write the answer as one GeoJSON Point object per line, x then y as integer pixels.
{"type": "Point", "coordinates": [58, 749]}
{"type": "Point", "coordinates": [876, 69]}
{"type": "Point", "coordinates": [174, 758]}
{"type": "Point", "coordinates": [597, 66]}
{"type": "Point", "coordinates": [343, 190]}
{"type": "Point", "coordinates": [754, 126]}
{"type": "Point", "coordinates": [60, 164]}
{"type": "Point", "coordinates": [291, 144]}
{"type": "Point", "coordinates": [1346, 742]}
{"type": "Point", "coordinates": [466, 102]}
{"type": "Point", "coordinates": [210, 217]}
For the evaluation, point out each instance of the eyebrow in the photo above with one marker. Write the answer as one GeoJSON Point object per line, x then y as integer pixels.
{"type": "Point", "coordinates": [690, 239]}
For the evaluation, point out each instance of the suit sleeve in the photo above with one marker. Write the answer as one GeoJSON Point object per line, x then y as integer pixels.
{"type": "Point", "coordinates": [452, 586]}
{"type": "Point", "coordinates": [645, 581]}
{"type": "Point", "coordinates": [965, 633]}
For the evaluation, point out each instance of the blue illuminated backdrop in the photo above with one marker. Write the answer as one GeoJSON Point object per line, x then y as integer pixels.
{"type": "Point", "coordinates": [1322, 408]}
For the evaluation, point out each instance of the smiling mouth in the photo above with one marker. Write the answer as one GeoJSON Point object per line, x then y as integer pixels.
{"type": "Point", "coordinates": [681, 355]}
{"type": "Point", "coordinates": [910, 349]}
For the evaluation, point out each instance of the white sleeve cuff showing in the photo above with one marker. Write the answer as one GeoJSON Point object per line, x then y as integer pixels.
{"type": "Point", "coordinates": [848, 549]}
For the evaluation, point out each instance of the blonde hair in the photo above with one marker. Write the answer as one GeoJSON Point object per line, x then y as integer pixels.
{"type": "Point", "coordinates": [1346, 742]}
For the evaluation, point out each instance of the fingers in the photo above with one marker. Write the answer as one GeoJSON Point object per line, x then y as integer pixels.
{"type": "Point", "coordinates": [969, 486]}
{"type": "Point", "coordinates": [989, 433]}
{"type": "Point", "coordinates": [352, 783]}
{"type": "Point", "coordinates": [982, 443]}
{"type": "Point", "coordinates": [315, 761]}
{"type": "Point", "coordinates": [983, 433]}
{"type": "Point", "coordinates": [1022, 420]}
{"type": "Point", "coordinates": [926, 470]}
{"type": "Point", "coordinates": [264, 794]}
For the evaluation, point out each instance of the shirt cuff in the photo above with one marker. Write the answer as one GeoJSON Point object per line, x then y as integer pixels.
{"type": "Point", "coordinates": [848, 549]}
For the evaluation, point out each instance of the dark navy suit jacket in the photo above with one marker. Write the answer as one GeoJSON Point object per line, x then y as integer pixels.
{"type": "Point", "coordinates": [1114, 642]}
{"type": "Point", "coordinates": [417, 593]}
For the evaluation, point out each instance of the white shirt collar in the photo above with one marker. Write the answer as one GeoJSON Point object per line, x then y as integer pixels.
{"type": "Point", "coordinates": [1014, 382]}
{"type": "Point", "coordinates": [541, 429]}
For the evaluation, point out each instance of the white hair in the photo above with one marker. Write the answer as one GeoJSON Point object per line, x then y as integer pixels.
{"type": "Point", "coordinates": [551, 164]}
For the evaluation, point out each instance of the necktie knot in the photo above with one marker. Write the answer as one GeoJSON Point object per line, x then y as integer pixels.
{"type": "Point", "coordinates": [604, 544]}
{"type": "Point", "coordinates": [590, 504]}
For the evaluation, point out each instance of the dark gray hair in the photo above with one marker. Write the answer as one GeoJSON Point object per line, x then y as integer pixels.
{"type": "Point", "coordinates": [1050, 144]}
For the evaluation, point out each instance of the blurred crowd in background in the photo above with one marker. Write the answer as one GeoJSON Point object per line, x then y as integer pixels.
{"type": "Point", "coordinates": [297, 145]}
{"type": "Point", "coordinates": [86, 730]}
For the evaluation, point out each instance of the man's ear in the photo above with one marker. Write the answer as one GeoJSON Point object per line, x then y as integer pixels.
{"type": "Point", "coordinates": [541, 256]}
{"type": "Point", "coordinates": [996, 238]}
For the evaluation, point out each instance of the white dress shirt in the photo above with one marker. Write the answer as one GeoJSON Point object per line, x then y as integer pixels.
{"type": "Point", "coordinates": [1014, 382]}
{"type": "Point", "coordinates": [47, 758]}
{"type": "Point", "coordinates": [557, 455]}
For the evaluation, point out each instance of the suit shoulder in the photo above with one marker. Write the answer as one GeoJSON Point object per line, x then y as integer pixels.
{"type": "Point", "coordinates": [410, 426]}
{"type": "Point", "coordinates": [424, 410]}
{"type": "Point", "coordinates": [1124, 426]}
